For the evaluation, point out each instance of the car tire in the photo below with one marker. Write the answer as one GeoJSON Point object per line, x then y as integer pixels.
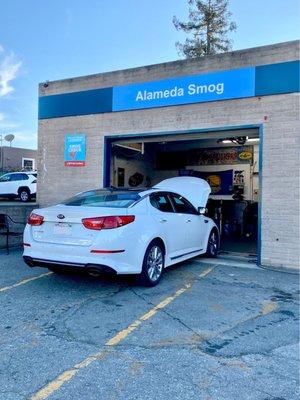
{"type": "Point", "coordinates": [212, 249]}
{"type": "Point", "coordinates": [24, 195]}
{"type": "Point", "coordinates": [153, 265]}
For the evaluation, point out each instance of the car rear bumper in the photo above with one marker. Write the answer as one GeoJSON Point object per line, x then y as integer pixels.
{"type": "Point", "coordinates": [91, 268]}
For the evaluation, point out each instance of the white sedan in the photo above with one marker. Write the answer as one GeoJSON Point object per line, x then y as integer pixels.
{"type": "Point", "coordinates": [124, 231]}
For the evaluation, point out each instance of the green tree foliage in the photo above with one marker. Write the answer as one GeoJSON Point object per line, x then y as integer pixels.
{"type": "Point", "coordinates": [209, 25]}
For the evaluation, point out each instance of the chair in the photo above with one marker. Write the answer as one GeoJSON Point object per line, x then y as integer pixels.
{"type": "Point", "coordinates": [5, 224]}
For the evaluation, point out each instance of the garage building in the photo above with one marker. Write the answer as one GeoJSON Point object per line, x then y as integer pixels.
{"type": "Point", "coordinates": [232, 119]}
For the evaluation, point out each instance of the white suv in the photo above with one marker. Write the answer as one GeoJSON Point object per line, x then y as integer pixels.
{"type": "Point", "coordinates": [18, 184]}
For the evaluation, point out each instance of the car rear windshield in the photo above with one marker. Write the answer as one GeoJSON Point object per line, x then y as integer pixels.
{"type": "Point", "coordinates": [103, 198]}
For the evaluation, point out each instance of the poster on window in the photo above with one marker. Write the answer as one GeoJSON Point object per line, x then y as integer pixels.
{"type": "Point", "coordinates": [75, 148]}
{"type": "Point", "coordinates": [219, 181]}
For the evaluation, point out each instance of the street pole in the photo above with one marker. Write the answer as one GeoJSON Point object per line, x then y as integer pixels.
{"type": "Point", "coordinates": [1, 139]}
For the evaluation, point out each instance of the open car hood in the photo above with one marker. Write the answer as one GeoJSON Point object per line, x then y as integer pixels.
{"type": "Point", "coordinates": [196, 190]}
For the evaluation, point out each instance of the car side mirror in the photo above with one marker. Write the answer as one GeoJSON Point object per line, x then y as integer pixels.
{"type": "Point", "coordinates": [202, 210]}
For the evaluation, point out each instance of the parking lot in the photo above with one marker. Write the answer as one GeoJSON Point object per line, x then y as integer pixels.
{"type": "Point", "coordinates": [205, 332]}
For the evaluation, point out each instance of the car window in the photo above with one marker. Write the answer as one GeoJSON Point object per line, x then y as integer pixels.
{"type": "Point", "coordinates": [103, 198]}
{"type": "Point", "coordinates": [181, 205]}
{"type": "Point", "coordinates": [18, 177]}
{"type": "Point", "coordinates": [161, 202]}
{"type": "Point", "coordinates": [23, 177]}
{"type": "Point", "coordinates": [5, 178]}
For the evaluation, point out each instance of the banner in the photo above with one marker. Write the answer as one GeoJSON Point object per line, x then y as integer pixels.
{"type": "Point", "coordinates": [221, 156]}
{"type": "Point", "coordinates": [219, 181]}
{"type": "Point", "coordinates": [75, 150]}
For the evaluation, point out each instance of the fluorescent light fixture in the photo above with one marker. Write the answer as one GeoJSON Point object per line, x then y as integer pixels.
{"type": "Point", "coordinates": [226, 141]}
{"type": "Point", "coordinates": [253, 140]}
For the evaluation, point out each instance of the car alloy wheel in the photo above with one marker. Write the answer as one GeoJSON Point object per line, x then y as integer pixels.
{"type": "Point", "coordinates": [155, 263]}
{"type": "Point", "coordinates": [213, 244]}
{"type": "Point", "coordinates": [24, 196]}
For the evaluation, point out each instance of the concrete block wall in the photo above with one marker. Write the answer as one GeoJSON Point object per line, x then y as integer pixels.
{"type": "Point", "coordinates": [278, 115]}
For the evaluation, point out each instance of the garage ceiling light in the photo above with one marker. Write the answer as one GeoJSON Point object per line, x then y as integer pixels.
{"type": "Point", "coordinates": [238, 140]}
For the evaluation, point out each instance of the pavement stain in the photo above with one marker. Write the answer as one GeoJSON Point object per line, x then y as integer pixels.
{"type": "Point", "coordinates": [216, 307]}
{"type": "Point", "coordinates": [191, 340]}
{"type": "Point", "coordinates": [208, 381]}
{"type": "Point", "coordinates": [136, 367]}
{"type": "Point", "coordinates": [239, 364]}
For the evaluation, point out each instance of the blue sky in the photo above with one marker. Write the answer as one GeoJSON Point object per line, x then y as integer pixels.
{"type": "Point", "coordinates": [56, 39]}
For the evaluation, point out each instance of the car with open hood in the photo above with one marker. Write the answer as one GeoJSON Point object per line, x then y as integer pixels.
{"type": "Point", "coordinates": [123, 231]}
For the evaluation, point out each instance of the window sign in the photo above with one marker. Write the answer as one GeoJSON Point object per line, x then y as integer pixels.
{"type": "Point", "coordinates": [75, 148]}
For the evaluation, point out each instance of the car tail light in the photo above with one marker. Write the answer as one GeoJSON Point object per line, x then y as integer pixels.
{"type": "Point", "coordinates": [111, 222]}
{"type": "Point", "coordinates": [35, 219]}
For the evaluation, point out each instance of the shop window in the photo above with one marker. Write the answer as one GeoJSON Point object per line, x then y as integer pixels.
{"type": "Point", "coordinates": [28, 164]}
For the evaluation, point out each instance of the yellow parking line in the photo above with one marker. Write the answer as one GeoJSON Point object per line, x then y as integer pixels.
{"type": "Point", "coordinates": [24, 281]}
{"type": "Point", "coordinates": [66, 376]}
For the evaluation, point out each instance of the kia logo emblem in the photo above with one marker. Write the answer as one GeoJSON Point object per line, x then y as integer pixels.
{"type": "Point", "coordinates": [60, 216]}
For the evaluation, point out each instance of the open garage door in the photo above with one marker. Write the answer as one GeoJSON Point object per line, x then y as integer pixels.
{"type": "Point", "coordinates": [228, 160]}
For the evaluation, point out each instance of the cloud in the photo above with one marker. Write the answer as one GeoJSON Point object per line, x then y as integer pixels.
{"type": "Point", "coordinates": [26, 139]}
{"type": "Point", "coordinates": [5, 123]}
{"type": "Point", "coordinates": [9, 68]}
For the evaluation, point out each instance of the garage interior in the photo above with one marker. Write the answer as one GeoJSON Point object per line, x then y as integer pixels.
{"type": "Point", "coordinates": [228, 160]}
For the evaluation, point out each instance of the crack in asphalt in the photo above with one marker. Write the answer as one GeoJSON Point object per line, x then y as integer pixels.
{"type": "Point", "coordinates": [65, 332]}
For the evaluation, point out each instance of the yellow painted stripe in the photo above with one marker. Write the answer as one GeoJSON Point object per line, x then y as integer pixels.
{"type": "Point", "coordinates": [206, 272]}
{"type": "Point", "coordinates": [24, 281]}
{"type": "Point", "coordinates": [66, 376]}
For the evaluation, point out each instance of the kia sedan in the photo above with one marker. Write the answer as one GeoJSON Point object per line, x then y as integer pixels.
{"type": "Point", "coordinates": [124, 231]}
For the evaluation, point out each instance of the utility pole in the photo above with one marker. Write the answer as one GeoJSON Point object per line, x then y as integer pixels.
{"type": "Point", "coordinates": [1, 140]}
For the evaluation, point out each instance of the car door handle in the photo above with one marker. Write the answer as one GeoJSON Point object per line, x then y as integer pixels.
{"type": "Point", "coordinates": [162, 220]}
{"type": "Point", "coordinates": [188, 220]}
{"type": "Point", "coordinates": [206, 221]}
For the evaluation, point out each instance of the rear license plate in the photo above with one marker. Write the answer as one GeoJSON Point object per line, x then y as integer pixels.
{"type": "Point", "coordinates": [62, 229]}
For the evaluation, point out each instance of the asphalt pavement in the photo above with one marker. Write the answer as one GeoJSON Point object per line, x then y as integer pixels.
{"type": "Point", "coordinates": [208, 332]}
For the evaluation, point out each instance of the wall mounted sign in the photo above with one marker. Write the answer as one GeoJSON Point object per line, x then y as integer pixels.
{"type": "Point", "coordinates": [192, 89]}
{"type": "Point", "coordinates": [75, 148]}
{"type": "Point", "coordinates": [261, 80]}
{"type": "Point", "coordinates": [221, 156]}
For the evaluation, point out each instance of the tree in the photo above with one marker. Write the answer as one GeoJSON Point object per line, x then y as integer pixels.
{"type": "Point", "coordinates": [209, 24]}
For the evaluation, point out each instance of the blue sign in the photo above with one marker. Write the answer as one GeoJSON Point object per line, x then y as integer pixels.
{"type": "Point", "coordinates": [220, 181]}
{"type": "Point", "coordinates": [75, 150]}
{"type": "Point", "coordinates": [223, 85]}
